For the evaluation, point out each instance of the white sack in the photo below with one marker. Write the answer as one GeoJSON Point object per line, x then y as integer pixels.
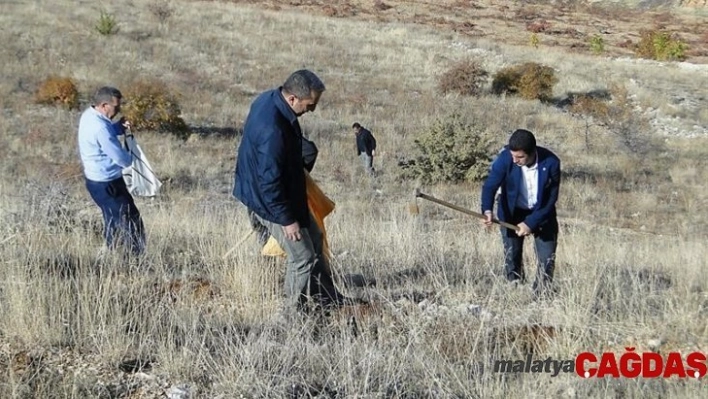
{"type": "Point", "coordinates": [139, 177]}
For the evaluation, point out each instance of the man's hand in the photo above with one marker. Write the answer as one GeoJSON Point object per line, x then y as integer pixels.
{"type": "Point", "coordinates": [487, 221]}
{"type": "Point", "coordinates": [126, 125]}
{"type": "Point", "coordinates": [373, 153]}
{"type": "Point", "coordinates": [524, 230]}
{"type": "Point", "coordinates": [292, 232]}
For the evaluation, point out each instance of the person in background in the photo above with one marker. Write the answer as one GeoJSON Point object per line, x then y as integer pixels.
{"type": "Point", "coordinates": [365, 147]}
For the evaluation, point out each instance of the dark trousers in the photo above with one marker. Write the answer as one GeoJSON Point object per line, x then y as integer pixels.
{"type": "Point", "coordinates": [122, 224]}
{"type": "Point", "coordinates": [545, 242]}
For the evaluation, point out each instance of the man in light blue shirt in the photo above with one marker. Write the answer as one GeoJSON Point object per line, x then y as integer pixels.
{"type": "Point", "coordinates": [103, 159]}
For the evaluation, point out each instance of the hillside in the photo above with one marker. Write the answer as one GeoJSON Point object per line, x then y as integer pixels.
{"type": "Point", "coordinates": [197, 315]}
{"type": "Point", "coordinates": [565, 24]}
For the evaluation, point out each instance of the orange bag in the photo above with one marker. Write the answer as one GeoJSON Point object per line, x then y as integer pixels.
{"type": "Point", "coordinates": [320, 206]}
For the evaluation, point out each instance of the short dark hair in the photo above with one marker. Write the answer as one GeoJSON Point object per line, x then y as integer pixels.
{"type": "Point", "coordinates": [303, 83]}
{"type": "Point", "coordinates": [522, 140]}
{"type": "Point", "coordinates": [356, 125]}
{"type": "Point", "coordinates": [105, 94]}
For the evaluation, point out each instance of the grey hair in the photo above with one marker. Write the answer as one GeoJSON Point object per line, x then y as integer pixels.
{"type": "Point", "coordinates": [106, 94]}
{"type": "Point", "coordinates": [303, 83]}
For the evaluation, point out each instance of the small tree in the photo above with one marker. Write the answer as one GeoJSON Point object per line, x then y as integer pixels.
{"type": "Point", "coordinates": [450, 150]}
{"type": "Point", "coordinates": [597, 44]}
{"type": "Point", "coordinates": [107, 24]}
{"type": "Point", "coordinates": [593, 111]}
{"type": "Point", "coordinates": [618, 116]}
{"type": "Point", "coordinates": [629, 126]}
{"type": "Point", "coordinates": [534, 40]}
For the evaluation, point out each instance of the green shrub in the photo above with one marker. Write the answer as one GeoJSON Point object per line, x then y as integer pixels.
{"type": "Point", "coordinates": [150, 106]}
{"type": "Point", "coordinates": [106, 24]}
{"type": "Point", "coordinates": [450, 150]}
{"type": "Point", "coordinates": [597, 44]}
{"type": "Point", "coordinates": [466, 77]}
{"type": "Point", "coordinates": [58, 90]}
{"type": "Point", "coordinates": [534, 41]}
{"type": "Point", "coordinates": [529, 80]}
{"type": "Point", "coordinates": [661, 46]}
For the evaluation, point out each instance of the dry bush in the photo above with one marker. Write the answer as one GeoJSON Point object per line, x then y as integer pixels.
{"type": "Point", "coordinates": [661, 45]}
{"type": "Point", "coordinates": [161, 10]}
{"type": "Point", "coordinates": [451, 150]}
{"type": "Point", "coordinates": [466, 77]}
{"type": "Point", "coordinates": [151, 106]}
{"type": "Point", "coordinates": [381, 6]}
{"type": "Point", "coordinates": [338, 11]}
{"type": "Point", "coordinates": [704, 38]}
{"type": "Point", "coordinates": [58, 90]}
{"type": "Point", "coordinates": [627, 43]}
{"type": "Point", "coordinates": [664, 18]}
{"type": "Point", "coordinates": [611, 12]}
{"type": "Point", "coordinates": [538, 26]}
{"type": "Point", "coordinates": [529, 80]}
{"type": "Point", "coordinates": [527, 13]}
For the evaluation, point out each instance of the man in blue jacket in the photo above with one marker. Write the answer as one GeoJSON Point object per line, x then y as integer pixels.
{"type": "Point", "coordinates": [529, 177]}
{"type": "Point", "coordinates": [270, 182]}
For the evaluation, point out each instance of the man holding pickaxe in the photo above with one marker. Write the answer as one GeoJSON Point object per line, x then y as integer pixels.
{"type": "Point", "coordinates": [529, 177]}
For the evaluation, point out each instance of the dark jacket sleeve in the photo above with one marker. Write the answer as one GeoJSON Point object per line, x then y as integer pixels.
{"type": "Point", "coordinates": [372, 142]}
{"type": "Point", "coordinates": [550, 197]}
{"type": "Point", "coordinates": [271, 168]}
{"type": "Point", "coordinates": [309, 154]}
{"type": "Point", "coordinates": [496, 177]}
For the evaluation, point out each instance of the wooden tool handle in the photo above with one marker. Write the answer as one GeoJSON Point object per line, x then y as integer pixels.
{"type": "Point", "coordinates": [465, 210]}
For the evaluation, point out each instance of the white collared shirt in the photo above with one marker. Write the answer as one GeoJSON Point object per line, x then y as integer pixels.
{"type": "Point", "coordinates": [528, 192]}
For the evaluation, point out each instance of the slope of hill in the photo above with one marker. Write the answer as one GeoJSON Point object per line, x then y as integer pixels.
{"type": "Point", "coordinates": [565, 24]}
{"type": "Point", "coordinates": [185, 321]}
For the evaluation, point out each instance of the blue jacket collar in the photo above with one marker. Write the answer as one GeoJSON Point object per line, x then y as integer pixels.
{"type": "Point", "coordinates": [283, 106]}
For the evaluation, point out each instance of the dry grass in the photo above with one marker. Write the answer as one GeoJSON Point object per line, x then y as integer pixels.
{"type": "Point", "coordinates": [631, 258]}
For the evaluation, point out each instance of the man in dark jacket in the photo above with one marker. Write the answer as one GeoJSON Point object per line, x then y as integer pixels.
{"type": "Point", "coordinates": [529, 177]}
{"type": "Point", "coordinates": [270, 182]}
{"type": "Point", "coordinates": [309, 157]}
{"type": "Point", "coordinates": [365, 147]}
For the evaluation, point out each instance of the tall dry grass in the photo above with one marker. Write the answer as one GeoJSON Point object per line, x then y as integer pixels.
{"type": "Point", "coordinates": [631, 251]}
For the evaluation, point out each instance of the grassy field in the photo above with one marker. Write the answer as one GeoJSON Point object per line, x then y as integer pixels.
{"type": "Point", "coordinates": [631, 258]}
